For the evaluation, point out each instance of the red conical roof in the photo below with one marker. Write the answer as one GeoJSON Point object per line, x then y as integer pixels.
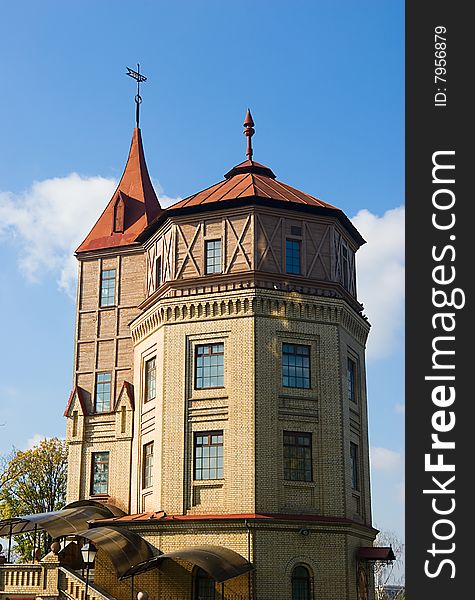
{"type": "Point", "coordinates": [133, 206]}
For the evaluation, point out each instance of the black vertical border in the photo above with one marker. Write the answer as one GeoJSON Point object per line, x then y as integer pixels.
{"type": "Point", "coordinates": [430, 129]}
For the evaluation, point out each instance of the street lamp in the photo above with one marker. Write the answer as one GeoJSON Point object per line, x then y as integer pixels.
{"type": "Point", "coordinates": [88, 552]}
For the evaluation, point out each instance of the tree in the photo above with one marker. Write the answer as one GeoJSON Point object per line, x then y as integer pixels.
{"type": "Point", "coordinates": [33, 481]}
{"type": "Point", "coordinates": [384, 571]}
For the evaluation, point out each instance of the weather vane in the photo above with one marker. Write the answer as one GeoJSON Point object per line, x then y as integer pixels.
{"type": "Point", "coordinates": [139, 78]}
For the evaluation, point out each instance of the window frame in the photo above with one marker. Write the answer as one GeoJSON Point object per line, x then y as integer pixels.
{"type": "Point", "coordinates": [219, 385]}
{"type": "Point", "coordinates": [200, 575]}
{"type": "Point", "coordinates": [146, 384]}
{"type": "Point", "coordinates": [287, 467]}
{"type": "Point", "coordinates": [298, 243]}
{"type": "Point", "coordinates": [147, 465]}
{"type": "Point", "coordinates": [93, 464]}
{"type": "Point", "coordinates": [110, 301]}
{"type": "Point", "coordinates": [218, 470]}
{"type": "Point", "coordinates": [96, 383]}
{"type": "Point", "coordinates": [308, 579]}
{"type": "Point", "coordinates": [307, 368]}
{"type": "Point", "coordinates": [216, 266]}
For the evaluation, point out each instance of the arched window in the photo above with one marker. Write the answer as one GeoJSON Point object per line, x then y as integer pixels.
{"type": "Point", "coordinates": [301, 589]}
{"type": "Point", "coordinates": [204, 586]}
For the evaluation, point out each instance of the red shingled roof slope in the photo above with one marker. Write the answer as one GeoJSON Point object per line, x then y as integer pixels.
{"type": "Point", "coordinates": [139, 204]}
{"type": "Point", "coordinates": [250, 179]}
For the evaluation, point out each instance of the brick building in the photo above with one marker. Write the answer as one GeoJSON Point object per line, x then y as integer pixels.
{"type": "Point", "coordinates": [218, 409]}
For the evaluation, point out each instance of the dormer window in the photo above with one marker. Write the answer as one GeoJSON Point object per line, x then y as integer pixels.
{"type": "Point", "coordinates": [119, 214]}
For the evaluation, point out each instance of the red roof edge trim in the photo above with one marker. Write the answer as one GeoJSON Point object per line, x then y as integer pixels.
{"type": "Point", "coordinates": [162, 516]}
{"type": "Point", "coordinates": [76, 390]}
{"type": "Point", "coordinates": [129, 390]}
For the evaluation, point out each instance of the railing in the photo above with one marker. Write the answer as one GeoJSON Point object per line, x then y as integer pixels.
{"type": "Point", "coordinates": [21, 578]}
{"type": "Point", "coordinates": [73, 587]}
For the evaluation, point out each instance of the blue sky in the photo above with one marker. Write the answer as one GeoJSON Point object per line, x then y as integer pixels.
{"type": "Point", "coordinates": [324, 81]}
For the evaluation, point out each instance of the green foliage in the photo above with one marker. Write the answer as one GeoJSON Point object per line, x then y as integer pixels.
{"type": "Point", "coordinates": [33, 481]}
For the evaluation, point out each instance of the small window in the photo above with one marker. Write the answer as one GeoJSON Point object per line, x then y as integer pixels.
{"type": "Point", "coordinates": [103, 392]}
{"type": "Point", "coordinates": [108, 287]}
{"type": "Point", "coordinates": [213, 256]}
{"type": "Point", "coordinates": [158, 272]}
{"type": "Point", "coordinates": [297, 456]}
{"type": "Point", "coordinates": [147, 472]}
{"type": "Point", "coordinates": [123, 419]}
{"type": "Point", "coordinates": [150, 379]}
{"type": "Point", "coordinates": [209, 366]}
{"type": "Point", "coordinates": [301, 583]}
{"type": "Point", "coordinates": [100, 473]}
{"type": "Point", "coordinates": [75, 423]}
{"type": "Point", "coordinates": [204, 588]}
{"type": "Point", "coordinates": [295, 366]}
{"type": "Point", "coordinates": [209, 455]}
{"type": "Point", "coordinates": [355, 476]}
{"type": "Point", "coordinates": [292, 256]}
{"type": "Point", "coordinates": [351, 379]}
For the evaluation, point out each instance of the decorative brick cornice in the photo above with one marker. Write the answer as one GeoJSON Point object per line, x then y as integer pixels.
{"type": "Point", "coordinates": [250, 303]}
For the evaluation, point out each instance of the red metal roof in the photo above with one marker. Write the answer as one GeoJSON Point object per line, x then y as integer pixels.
{"type": "Point", "coordinates": [163, 516]}
{"type": "Point", "coordinates": [138, 201]}
{"type": "Point", "coordinates": [250, 179]}
{"type": "Point", "coordinates": [375, 553]}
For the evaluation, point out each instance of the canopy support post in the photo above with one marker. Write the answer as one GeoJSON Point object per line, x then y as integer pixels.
{"type": "Point", "coordinates": [132, 588]}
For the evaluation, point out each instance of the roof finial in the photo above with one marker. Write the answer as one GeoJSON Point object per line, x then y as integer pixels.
{"type": "Point", "coordinates": [138, 98]}
{"type": "Point", "coordinates": [249, 132]}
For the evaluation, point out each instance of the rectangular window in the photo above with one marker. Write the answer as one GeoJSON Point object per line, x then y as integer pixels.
{"type": "Point", "coordinates": [158, 272]}
{"type": "Point", "coordinates": [123, 419]}
{"type": "Point", "coordinates": [147, 472]}
{"type": "Point", "coordinates": [75, 423]}
{"type": "Point", "coordinates": [108, 287]}
{"type": "Point", "coordinates": [100, 473]}
{"type": "Point", "coordinates": [295, 366]}
{"type": "Point", "coordinates": [209, 366]}
{"type": "Point", "coordinates": [213, 256]}
{"type": "Point", "coordinates": [150, 379]}
{"type": "Point", "coordinates": [297, 456]}
{"type": "Point", "coordinates": [103, 392]}
{"type": "Point", "coordinates": [209, 455]}
{"type": "Point", "coordinates": [355, 476]}
{"type": "Point", "coordinates": [351, 379]}
{"type": "Point", "coordinates": [292, 256]}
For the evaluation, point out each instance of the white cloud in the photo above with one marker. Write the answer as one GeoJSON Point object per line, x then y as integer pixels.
{"type": "Point", "coordinates": [34, 441]}
{"type": "Point", "coordinates": [400, 409]}
{"type": "Point", "coordinates": [383, 459]}
{"type": "Point", "coordinates": [380, 265]}
{"type": "Point", "coordinates": [49, 221]}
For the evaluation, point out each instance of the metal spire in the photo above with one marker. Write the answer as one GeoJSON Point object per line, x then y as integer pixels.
{"type": "Point", "coordinates": [138, 98]}
{"type": "Point", "coordinates": [249, 132]}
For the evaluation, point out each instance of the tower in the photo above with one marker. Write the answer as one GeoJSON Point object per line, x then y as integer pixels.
{"type": "Point", "coordinates": [219, 397]}
{"type": "Point", "coordinates": [110, 288]}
